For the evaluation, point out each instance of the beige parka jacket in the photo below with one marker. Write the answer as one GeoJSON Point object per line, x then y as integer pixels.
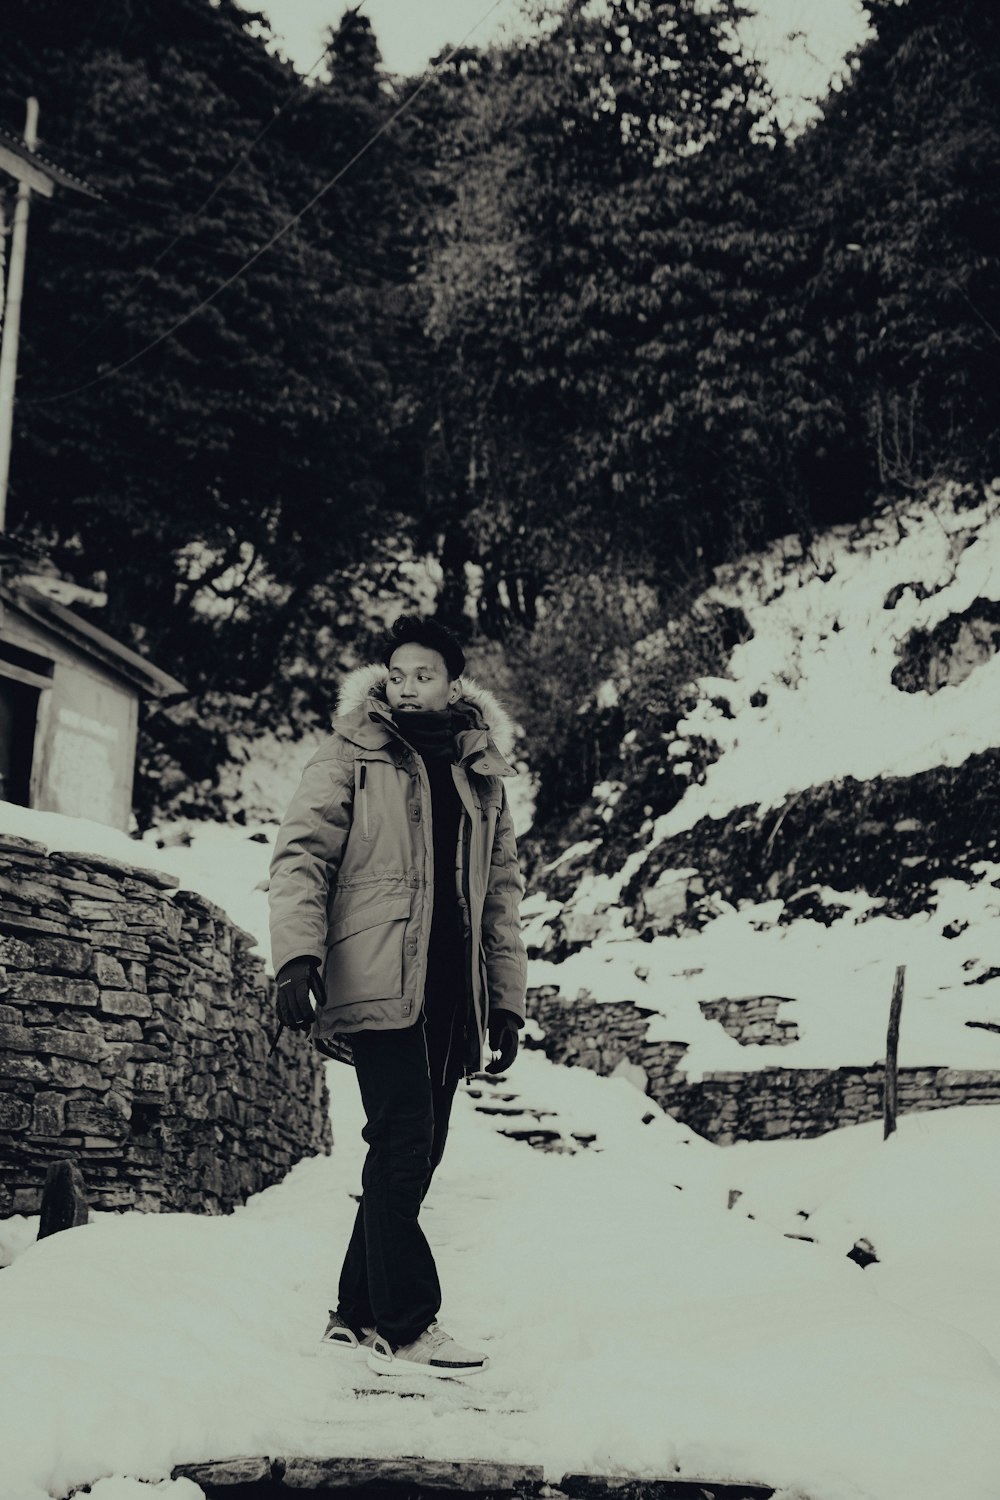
{"type": "Point", "coordinates": [352, 877]}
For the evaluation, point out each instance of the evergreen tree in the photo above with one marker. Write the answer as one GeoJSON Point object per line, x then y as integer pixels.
{"type": "Point", "coordinates": [899, 182]}
{"type": "Point", "coordinates": [606, 296]}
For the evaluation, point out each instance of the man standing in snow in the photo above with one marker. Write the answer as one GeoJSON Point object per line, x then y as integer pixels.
{"type": "Point", "coordinates": [394, 899]}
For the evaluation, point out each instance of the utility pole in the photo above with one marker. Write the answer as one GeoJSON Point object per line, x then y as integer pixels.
{"type": "Point", "coordinates": [18, 158]}
{"type": "Point", "coordinates": [12, 311]}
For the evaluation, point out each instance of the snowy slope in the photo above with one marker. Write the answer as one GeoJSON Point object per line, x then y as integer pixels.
{"type": "Point", "coordinates": [634, 1323]}
{"type": "Point", "coordinates": [823, 652]}
{"type": "Point", "coordinates": [838, 977]}
{"type": "Point", "coordinates": [807, 701]}
{"type": "Point", "coordinates": [822, 655]}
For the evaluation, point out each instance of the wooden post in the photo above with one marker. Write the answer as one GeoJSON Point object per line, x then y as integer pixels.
{"type": "Point", "coordinates": [891, 1050]}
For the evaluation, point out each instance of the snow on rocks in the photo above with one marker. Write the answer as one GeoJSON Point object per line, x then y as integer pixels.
{"type": "Point", "coordinates": [824, 647]}
{"type": "Point", "coordinates": [225, 863]}
{"type": "Point", "coordinates": [839, 975]}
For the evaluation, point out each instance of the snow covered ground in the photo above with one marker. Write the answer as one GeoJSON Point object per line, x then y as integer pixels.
{"type": "Point", "coordinates": [635, 1324]}
{"type": "Point", "coordinates": [642, 1325]}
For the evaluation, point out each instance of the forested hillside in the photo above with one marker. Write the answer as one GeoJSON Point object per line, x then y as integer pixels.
{"type": "Point", "coordinates": [579, 327]}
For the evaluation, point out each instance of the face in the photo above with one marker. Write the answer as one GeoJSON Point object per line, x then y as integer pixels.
{"type": "Point", "coordinates": [418, 678]}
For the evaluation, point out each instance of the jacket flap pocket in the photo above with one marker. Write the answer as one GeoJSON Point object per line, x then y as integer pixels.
{"type": "Point", "coordinates": [370, 914]}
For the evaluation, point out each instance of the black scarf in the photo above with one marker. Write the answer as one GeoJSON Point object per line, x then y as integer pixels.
{"type": "Point", "coordinates": [431, 731]}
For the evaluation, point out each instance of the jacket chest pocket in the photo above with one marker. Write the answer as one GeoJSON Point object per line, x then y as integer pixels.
{"type": "Point", "coordinates": [381, 794]}
{"type": "Point", "coordinates": [364, 956]}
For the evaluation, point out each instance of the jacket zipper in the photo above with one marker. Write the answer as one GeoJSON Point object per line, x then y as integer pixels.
{"type": "Point", "coordinates": [472, 954]}
{"type": "Point", "coordinates": [428, 832]}
{"type": "Point", "coordinates": [364, 799]}
{"type": "Point", "coordinates": [425, 801]}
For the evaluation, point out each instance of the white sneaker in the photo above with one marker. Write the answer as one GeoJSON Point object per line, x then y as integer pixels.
{"type": "Point", "coordinates": [341, 1336]}
{"type": "Point", "coordinates": [434, 1352]}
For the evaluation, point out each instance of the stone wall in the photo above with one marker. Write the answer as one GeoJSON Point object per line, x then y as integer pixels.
{"type": "Point", "coordinates": [752, 1021]}
{"type": "Point", "coordinates": [771, 1103]}
{"type": "Point", "coordinates": [134, 1023]}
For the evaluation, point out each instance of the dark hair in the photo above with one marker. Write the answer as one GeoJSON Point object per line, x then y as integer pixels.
{"type": "Point", "coordinates": [423, 632]}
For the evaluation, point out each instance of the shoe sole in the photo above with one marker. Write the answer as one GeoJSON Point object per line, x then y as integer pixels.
{"type": "Point", "coordinates": [408, 1367]}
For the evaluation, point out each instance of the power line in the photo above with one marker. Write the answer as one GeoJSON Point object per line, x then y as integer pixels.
{"type": "Point", "coordinates": [195, 214]}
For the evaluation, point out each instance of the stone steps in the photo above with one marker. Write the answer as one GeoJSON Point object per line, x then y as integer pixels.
{"type": "Point", "coordinates": [505, 1107]}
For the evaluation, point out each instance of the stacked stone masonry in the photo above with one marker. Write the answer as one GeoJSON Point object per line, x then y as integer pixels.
{"type": "Point", "coordinates": [769, 1103]}
{"type": "Point", "coordinates": [134, 1036]}
{"type": "Point", "coordinates": [752, 1021]}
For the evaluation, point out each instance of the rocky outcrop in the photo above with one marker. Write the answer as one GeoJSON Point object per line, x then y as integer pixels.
{"type": "Point", "coordinates": [811, 611]}
{"type": "Point", "coordinates": [891, 838]}
{"type": "Point", "coordinates": [133, 1041]}
{"type": "Point", "coordinates": [947, 654]}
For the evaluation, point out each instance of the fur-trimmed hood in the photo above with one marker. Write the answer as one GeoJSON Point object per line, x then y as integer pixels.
{"type": "Point", "coordinates": [369, 682]}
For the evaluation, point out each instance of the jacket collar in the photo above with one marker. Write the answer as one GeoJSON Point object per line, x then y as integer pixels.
{"type": "Point", "coordinates": [373, 729]}
{"type": "Point", "coordinates": [476, 750]}
{"type": "Point", "coordinates": [364, 718]}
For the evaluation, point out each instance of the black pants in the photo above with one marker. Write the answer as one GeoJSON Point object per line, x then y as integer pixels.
{"type": "Point", "coordinates": [389, 1280]}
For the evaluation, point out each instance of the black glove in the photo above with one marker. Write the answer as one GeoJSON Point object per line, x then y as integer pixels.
{"type": "Point", "coordinates": [300, 993]}
{"type": "Point", "coordinates": [504, 1026]}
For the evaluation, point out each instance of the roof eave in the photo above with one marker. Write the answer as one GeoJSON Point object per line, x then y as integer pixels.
{"type": "Point", "coordinates": [115, 657]}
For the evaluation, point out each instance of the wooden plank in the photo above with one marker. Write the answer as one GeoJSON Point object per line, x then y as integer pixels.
{"type": "Point", "coordinates": [626, 1487]}
{"type": "Point", "coordinates": [221, 1473]}
{"type": "Point", "coordinates": [474, 1477]}
{"type": "Point", "coordinates": [21, 674]}
{"type": "Point", "coordinates": [25, 171]}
